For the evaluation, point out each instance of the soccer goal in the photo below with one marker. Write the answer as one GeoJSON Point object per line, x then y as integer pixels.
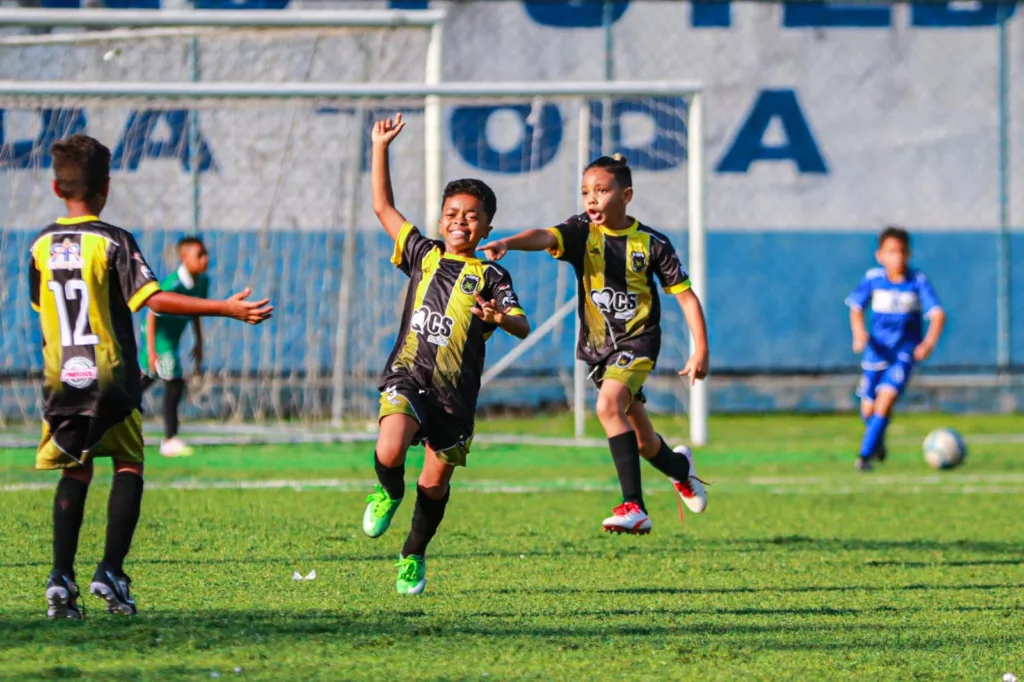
{"type": "Point", "coordinates": [266, 155]}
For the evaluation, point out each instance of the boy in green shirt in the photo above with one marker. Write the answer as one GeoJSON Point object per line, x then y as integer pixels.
{"type": "Point", "coordinates": [159, 354]}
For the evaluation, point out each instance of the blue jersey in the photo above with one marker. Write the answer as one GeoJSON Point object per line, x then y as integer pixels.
{"type": "Point", "coordinates": [898, 310]}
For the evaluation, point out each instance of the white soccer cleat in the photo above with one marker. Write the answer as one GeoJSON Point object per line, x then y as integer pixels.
{"type": "Point", "coordinates": [175, 447]}
{"type": "Point", "coordinates": [629, 518]}
{"type": "Point", "coordinates": [692, 492]}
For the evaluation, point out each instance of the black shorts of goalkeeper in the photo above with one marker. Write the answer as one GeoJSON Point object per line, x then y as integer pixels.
{"type": "Point", "coordinates": [449, 436]}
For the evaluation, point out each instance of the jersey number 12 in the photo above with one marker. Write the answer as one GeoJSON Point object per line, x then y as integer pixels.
{"type": "Point", "coordinates": [74, 289]}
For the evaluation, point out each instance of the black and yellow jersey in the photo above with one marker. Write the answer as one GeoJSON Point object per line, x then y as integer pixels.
{"type": "Point", "coordinates": [86, 280]}
{"type": "Point", "coordinates": [615, 269]}
{"type": "Point", "coordinates": [441, 344]}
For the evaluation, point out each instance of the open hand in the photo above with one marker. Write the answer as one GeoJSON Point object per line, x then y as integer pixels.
{"type": "Point", "coordinates": [487, 310]}
{"type": "Point", "coordinates": [494, 250]}
{"type": "Point", "coordinates": [696, 367]}
{"type": "Point", "coordinates": [252, 312]}
{"type": "Point", "coordinates": [386, 130]}
{"type": "Point", "coordinates": [923, 350]}
{"type": "Point", "coordinates": [860, 340]}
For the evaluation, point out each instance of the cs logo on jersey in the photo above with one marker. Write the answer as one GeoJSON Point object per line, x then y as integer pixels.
{"type": "Point", "coordinates": [469, 284]}
{"type": "Point", "coordinates": [638, 261]}
{"type": "Point", "coordinates": [65, 256]}
{"type": "Point", "coordinates": [609, 301]}
{"type": "Point", "coordinates": [436, 327]}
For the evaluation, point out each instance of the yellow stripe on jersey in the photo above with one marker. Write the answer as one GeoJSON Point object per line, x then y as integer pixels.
{"type": "Point", "coordinates": [515, 312]}
{"type": "Point", "coordinates": [558, 250]}
{"type": "Point", "coordinates": [407, 356]}
{"type": "Point", "coordinates": [79, 220]}
{"type": "Point", "coordinates": [96, 274]}
{"type": "Point", "coordinates": [49, 318]}
{"type": "Point", "coordinates": [448, 362]}
{"type": "Point", "coordinates": [593, 280]}
{"type": "Point", "coordinates": [678, 288]}
{"type": "Point", "coordinates": [136, 302]}
{"type": "Point", "coordinates": [403, 235]}
{"type": "Point", "coordinates": [638, 253]}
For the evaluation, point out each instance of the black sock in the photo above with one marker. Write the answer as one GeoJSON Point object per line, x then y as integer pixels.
{"type": "Point", "coordinates": [672, 464]}
{"type": "Point", "coordinates": [426, 517]}
{"type": "Point", "coordinates": [173, 390]}
{"type": "Point", "coordinates": [626, 456]}
{"type": "Point", "coordinates": [68, 512]}
{"type": "Point", "coordinates": [122, 517]}
{"type": "Point", "coordinates": [392, 479]}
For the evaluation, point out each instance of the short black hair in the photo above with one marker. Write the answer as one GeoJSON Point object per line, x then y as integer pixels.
{"type": "Point", "coordinates": [191, 239]}
{"type": "Point", "coordinates": [617, 166]}
{"type": "Point", "coordinates": [474, 188]}
{"type": "Point", "coordinates": [81, 166]}
{"type": "Point", "coordinates": [894, 232]}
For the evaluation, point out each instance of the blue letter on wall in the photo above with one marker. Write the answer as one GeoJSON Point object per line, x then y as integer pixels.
{"type": "Point", "coordinates": [539, 144]}
{"type": "Point", "coordinates": [53, 125]}
{"type": "Point", "coordinates": [568, 14]}
{"type": "Point", "coordinates": [705, 14]}
{"type": "Point", "coordinates": [137, 141]}
{"type": "Point", "coordinates": [829, 15]}
{"type": "Point", "coordinates": [666, 150]}
{"type": "Point", "coordinates": [749, 146]}
{"type": "Point", "coordinates": [944, 15]}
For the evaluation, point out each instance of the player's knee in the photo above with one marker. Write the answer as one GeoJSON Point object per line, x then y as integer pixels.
{"type": "Point", "coordinates": [128, 467]}
{"type": "Point", "coordinates": [79, 473]}
{"type": "Point", "coordinates": [609, 407]}
{"type": "Point", "coordinates": [884, 402]}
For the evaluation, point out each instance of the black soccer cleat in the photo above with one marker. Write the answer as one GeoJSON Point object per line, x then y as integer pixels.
{"type": "Point", "coordinates": [880, 454]}
{"type": "Point", "coordinates": [112, 587]}
{"type": "Point", "coordinates": [62, 597]}
{"type": "Point", "coordinates": [864, 464]}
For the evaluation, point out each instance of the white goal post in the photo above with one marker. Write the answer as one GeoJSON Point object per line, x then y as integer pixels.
{"type": "Point", "coordinates": [433, 96]}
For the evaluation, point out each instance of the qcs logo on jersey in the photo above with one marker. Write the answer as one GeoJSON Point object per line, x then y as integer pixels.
{"type": "Point", "coordinates": [65, 256]}
{"type": "Point", "coordinates": [638, 261]}
{"type": "Point", "coordinates": [435, 326]}
{"type": "Point", "coordinates": [617, 303]}
{"type": "Point", "coordinates": [78, 372]}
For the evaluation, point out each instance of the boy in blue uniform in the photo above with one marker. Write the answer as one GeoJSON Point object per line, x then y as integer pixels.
{"type": "Point", "coordinates": [900, 299]}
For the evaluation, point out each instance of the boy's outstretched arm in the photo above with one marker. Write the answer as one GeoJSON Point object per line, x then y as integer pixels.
{"type": "Point", "coordinates": [936, 323]}
{"type": "Point", "coordinates": [380, 175]}
{"type": "Point", "coordinates": [858, 329]}
{"type": "Point", "coordinates": [697, 366]}
{"type": "Point", "coordinates": [169, 303]}
{"type": "Point", "coordinates": [530, 240]}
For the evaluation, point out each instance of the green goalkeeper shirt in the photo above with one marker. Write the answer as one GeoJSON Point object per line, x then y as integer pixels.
{"type": "Point", "coordinates": [169, 328]}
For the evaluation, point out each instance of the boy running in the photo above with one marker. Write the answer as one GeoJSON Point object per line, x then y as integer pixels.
{"type": "Point", "coordinates": [86, 278]}
{"type": "Point", "coordinates": [900, 299]}
{"type": "Point", "coordinates": [429, 389]}
{"type": "Point", "coordinates": [160, 355]}
{"type": "Point", "coordinates": [616, 260]}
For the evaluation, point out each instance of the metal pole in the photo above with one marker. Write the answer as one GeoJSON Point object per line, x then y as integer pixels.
{"type": "Point", "coordinates": [609, 75]}
{"type": "Point", "coordinates": [194, 139]}
{"type": "Point", "coordinates": [579, 394]}
{"type": "Point", "coordinates": [433, 134]}
{"type": "Point", "coordinates": [1003, 305]}
{"type": "Point", "coordinates": [698, 253]}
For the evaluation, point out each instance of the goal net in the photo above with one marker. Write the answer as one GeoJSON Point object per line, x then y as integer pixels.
{"type": "Point", "coordinates": [271, 167]}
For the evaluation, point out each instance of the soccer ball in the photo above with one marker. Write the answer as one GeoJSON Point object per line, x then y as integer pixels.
{"type": "Point", "coordinates": [944, 449]}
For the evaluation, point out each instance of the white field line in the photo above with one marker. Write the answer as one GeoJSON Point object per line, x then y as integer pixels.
{"type": "Point", "coordinates": [977, 484]}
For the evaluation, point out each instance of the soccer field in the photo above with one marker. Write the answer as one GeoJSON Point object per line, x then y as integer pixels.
{"type": "Point", "coordinates": [801, 568]}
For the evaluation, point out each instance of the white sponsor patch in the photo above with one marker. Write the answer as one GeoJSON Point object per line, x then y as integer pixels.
{"type": "Point", "coordinates": [78, 372]}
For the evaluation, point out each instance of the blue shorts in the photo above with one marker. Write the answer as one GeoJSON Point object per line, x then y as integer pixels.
{"type": "Point", "coordinates": [896, 377]}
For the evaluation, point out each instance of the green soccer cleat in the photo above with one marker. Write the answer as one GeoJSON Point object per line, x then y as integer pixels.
{"type": "Point", "coordinates": [379, 512]}
{"type": "Point", "coordinates": [412, 574]}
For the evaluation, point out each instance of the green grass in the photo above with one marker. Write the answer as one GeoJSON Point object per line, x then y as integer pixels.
{"type": "Point", "coordinates": [800, 569]}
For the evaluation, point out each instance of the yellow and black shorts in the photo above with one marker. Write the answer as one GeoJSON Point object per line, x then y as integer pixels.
{"type": "Point", "coordinates": [74, 437]}
{"type": "Point", "coordinates": [627, 368]}
{"type": "Point", "coordinates": [448, 436]}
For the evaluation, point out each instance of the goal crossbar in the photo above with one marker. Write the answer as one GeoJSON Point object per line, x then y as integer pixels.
{"type": "Point", "coordinates": [303, 18]}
